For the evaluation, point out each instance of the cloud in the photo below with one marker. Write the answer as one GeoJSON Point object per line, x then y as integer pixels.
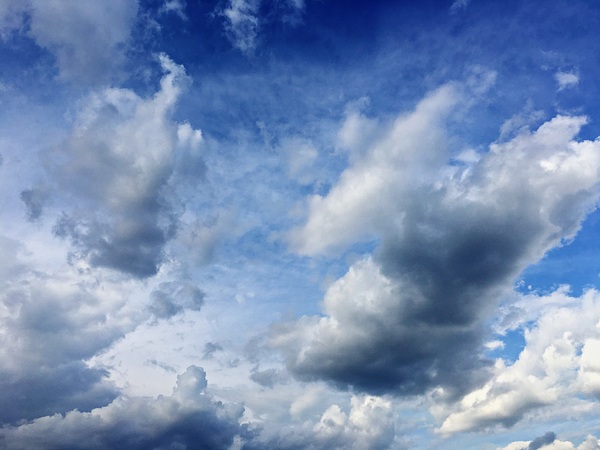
{"type": "Point", "coordinates": [116, 175]}
{"type": "Point", "coordinates": [174, 297]}
{"type": "Point", "coordinates": [452, 235]}
{"type": "Point", "coordinates": [50, 323]}
{"type": "Point", "coordinates": [459, 5]}
{"type": "Point", "coordinates": [87, 38]}
{"type": "Point", "coordinates": [559, 360]}
{"type": "Point", "coordinates": [542, 441]}
{"type": "Point", "coordinates": [34, 200]}
{"type": "Point", "coordinates": [566, 80]}
{"type": "Point", "coordinates": [194, 420]}
{"type": "Point", "coordinates": [242, 23]}
{"type": "Point", "coordinates": [549, 442]}
{"type": "Point", "coordinates": [368, 425]}
{"type": "Point", "coordinates": [176, 7]}
{"type": "Point", "coordinates": [243, 19]}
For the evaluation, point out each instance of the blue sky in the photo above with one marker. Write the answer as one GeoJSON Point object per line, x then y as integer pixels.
{"type": "Point", "coordinates": [299, 224]}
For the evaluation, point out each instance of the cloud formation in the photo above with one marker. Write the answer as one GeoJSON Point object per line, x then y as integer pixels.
{"type": "Point", "coordinates": [51, 322]}
{"type": "Point", "coordinates": [368, 425]}
{"type": "Point", "coordinates": [194, 420]}
{"type": "Point", "coordinates": [86, 38]}
{"type": "Point", "coordinates": [115, 175]}
{"type": "Point", "coordinates": [560, 359]}
{"type": "Point", "coordinates": [453, 234]}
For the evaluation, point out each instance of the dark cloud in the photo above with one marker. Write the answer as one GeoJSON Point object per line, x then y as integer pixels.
{"type": "Point", "coordinates": [194, 421]}
{"type": "Point", "coordinates": [267, 378]}
{"type": "Point", "coordinates": [51, 389]}
{"type": "Point", "coordinates": [210, 348]}
{"type": "Point", "coordinates": [453, 237]}
{"type": "Point", "coordinates": [50, 326]}
{"type": "Point", "coordinates": [34, 200]}
{"type": "Point", "coordinates": [542, 441]}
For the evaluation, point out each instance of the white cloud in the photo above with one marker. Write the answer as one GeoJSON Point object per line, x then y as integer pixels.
{"type": "Point", "coordinates": [559, 360]}
{"type": "Point", "coordinates": [87, 38]}
{"type": "Point", "coordinates": [242, 23]}
{"type": "Point", "coordinates": [566, 80]}
{"type": "Point", "coordinates": [408, 153]}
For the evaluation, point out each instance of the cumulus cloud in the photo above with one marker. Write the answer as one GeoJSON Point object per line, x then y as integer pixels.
{"type": "Point", "coordinates": [369, 425]}
{"type": "Point", "coordinates": [194, 420]}
{"type": "Point", "coordinates": [560, 359]}
{"type": "Point", "coordinates": [87, 38]}
{"type": "Point", "coordinates": [452, 237]}
{"type": "Point", "coordinates": [116, 171]}
{"type": "Point", "coordinates": [50, 322]}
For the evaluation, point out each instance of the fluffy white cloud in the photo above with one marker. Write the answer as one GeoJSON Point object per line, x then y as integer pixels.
{"type": "Point", "coordinates": [453, 233]}
{"type": "Point", "coordinates": [369, 425]}
{"type": "Point", "coordinates": [559, 360]}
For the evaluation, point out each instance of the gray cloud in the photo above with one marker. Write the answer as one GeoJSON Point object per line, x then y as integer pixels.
{"type": "Point", "coordinates": [116, 174]}
{"type": "Point", "coordinates": [210, 348]}
{"type": "Point", "coordinates": [195, 421]}
{"type": "Point", "coordinates": [454, 232]}
{"type": "Point", "coordinates": [243, 19]}
{"type": "Point", "coordinates": [541, 441]}
{"type": "Point", "coordinates": [174, 297]}
{"type": "Point", "coordinates": [34, 200]}
{"type": "Point", "coordinates": [50, 324]}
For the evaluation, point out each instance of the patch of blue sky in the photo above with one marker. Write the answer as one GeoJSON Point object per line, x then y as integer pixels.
{"type": "Point", "coordinates": [576, 263]}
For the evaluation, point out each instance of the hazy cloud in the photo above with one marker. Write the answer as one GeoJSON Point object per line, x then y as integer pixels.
{"type": "Point", "coordinates": [87, 38]}
{"type": "Point", "coordinates": [566, 80]}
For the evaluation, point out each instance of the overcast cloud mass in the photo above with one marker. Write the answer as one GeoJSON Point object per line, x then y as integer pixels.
{"type": "Point", "coordinates": [299, 224]}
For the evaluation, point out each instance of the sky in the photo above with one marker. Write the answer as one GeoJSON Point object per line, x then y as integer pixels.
{"type": "Point", "coordinates": [299, 224]}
